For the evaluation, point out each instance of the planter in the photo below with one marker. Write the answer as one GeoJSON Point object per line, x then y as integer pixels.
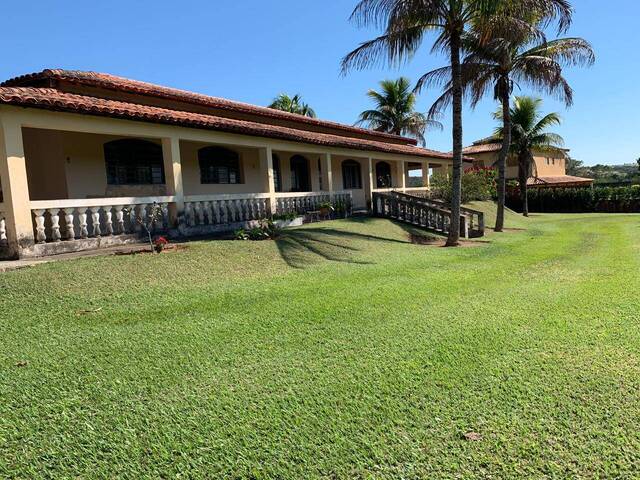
{"type": "Point", "coordinates": [296, 222]}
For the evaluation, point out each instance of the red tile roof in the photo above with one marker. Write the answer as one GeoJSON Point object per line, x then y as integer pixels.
{"type": "Point", "coordinates": [482, 148]}
{"type": "Point", "coordinates": [121, 84]}
{"type": "Point", "coordinates": [53, 99]}
{"type": "Point", "coordinates": [558, 180]}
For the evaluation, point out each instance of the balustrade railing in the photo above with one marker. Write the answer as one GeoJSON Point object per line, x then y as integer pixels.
{"type": "Point", "coordinates": [3, 228]}
{"type": "Point", "coordinates": [472, 227]}
{"type": "Point", "coordinates": [203, 210]}
{"type": "Point", "coordinates": [421, 214]}
{"type": "Point", "coordinates": [65, 220]}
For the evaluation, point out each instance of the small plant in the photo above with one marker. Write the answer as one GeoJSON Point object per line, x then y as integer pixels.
{"type": "Point", "coordinates": [326, 206]}
{"type": "Point", "coordinates": [154, 216]}
{"type": "Point", "coordinates": [265, 230]}
{"type": "Point", "coordinates": [160, 243]}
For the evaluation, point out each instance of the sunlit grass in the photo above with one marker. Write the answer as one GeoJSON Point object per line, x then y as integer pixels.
{"type": "Point", "coordinates": [341, 350]}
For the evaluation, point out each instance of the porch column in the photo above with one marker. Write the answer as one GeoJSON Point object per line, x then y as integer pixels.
{"type": "Point", "coordinates": [15, 188]}
{"type": "Point", "coordinates": [402, 175]}
{"type": "Point", "coordinates": [327, 162]}
{"type": "Point", "coordinates": [426, 182]}
{"type": "Point", "coordinates": [173, 176]}
{"type": "Point", "coordinates": [266, 167]}
{"type": "Point", "coordinates": [372, 184]}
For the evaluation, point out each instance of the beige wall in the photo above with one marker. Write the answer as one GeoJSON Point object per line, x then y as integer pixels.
{"type": "Point", "coordinates": [359, 194]}
{"type": "Point", "coordinates": [71, 165]}
{"type": "Point", "coordinates": [556, 166]}
{"type": "Point", "coordinates": [550, 165]}
{"type": "Point", "coordinates": [253, 180]}
{"type": "Point", "coordinates": [63, 165]}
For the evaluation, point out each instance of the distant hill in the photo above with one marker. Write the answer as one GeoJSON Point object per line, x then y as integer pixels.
{"type": "Point", "coordinates": [606, 174]}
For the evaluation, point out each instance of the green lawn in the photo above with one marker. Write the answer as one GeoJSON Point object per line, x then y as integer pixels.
{"type": "Point", "coordinates": [339, 351]}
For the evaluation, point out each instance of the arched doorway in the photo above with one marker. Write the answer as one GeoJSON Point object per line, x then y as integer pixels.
{"type": "Point", "coordinates": [383, 175]}
{"type": "Point", "coordinates": [300, 178]}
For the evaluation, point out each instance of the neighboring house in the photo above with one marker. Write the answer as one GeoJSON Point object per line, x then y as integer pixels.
{"type": "Point", "coordinates": [549, 169]}
{"type": "Point", "coordinates": [78, 150]}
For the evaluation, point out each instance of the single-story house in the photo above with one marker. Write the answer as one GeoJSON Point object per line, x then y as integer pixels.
{"type": "Point", "coordinates": [549, 169]}
{"type": "Point", "coordinates": [83, 155]}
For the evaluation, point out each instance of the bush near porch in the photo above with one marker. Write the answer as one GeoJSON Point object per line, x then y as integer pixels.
{"type": "Point", "coordinates": [478, 183]}
{"type": "Point", "coordinates": [339, 351]}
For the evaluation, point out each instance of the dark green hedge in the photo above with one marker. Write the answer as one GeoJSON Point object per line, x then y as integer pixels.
{"type": "Point", "coordinates": [577, 200]}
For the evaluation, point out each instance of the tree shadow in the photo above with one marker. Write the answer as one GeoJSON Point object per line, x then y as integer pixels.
{"type": "Point", "coordinates": [301, 248]}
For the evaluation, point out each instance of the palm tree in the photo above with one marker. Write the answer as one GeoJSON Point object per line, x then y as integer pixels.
{"type": "Point", "coordinates": [407, 22]}
{"type": "Point", "coordinates": [293, 104]}
{"type": "Point", "coordinates": [499, 63]}
{"type": "Point", "coordinates": [395, 111]}
{"type": "Point", "coordinates": [528, 134]}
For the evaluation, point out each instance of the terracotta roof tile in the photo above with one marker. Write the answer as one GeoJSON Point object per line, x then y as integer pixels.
{"type": "Point", "coordinates": [121, 84]}
{"type": "Point", "coordinates": [52, 99]}
{"type": "Point", "coordinates": [482, 148]}
{"type": "Point", "coordinates": [558, 180]}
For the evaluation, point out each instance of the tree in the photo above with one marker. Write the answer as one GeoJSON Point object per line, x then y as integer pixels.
{"type": "Point", "coordinates": [529, 134]}
{"type": "Point", "coordinates": [407, 22]}
{"type": "Point", "coordinates": [293, 104]}
{"type": "Point", "coordinates": [638, 162]}
{"type": "Point", "coordinates": [574, 167]}
{"type": "Point", "coordinates": [496, 64]}
{"type": "Point", "coordinates": [395, 113]}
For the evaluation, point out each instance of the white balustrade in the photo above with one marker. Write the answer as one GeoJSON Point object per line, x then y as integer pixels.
{"type": "Point", "coordinates": [211, 210]}
{"type": "Point", "coordinates": [3, 230]}
{"type": "Point", "coordinates": [65, 220]}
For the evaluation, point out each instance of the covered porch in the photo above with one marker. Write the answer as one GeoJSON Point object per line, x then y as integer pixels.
{"type": "Point", "coordinates": [72, 182]}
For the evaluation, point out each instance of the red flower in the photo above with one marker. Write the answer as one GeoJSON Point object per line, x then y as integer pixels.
{"type": "Point", "coordinates": [161, 241]}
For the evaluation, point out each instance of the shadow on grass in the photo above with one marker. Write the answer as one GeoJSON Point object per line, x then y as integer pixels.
{"type": "Point", "coordinates": [301, 248]}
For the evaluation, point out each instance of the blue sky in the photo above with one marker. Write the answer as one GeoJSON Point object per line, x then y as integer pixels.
{"type": "Point", "coordinates": [250, 50]}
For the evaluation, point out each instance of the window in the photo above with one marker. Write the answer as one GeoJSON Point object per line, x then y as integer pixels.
{"type": "Point", "coordinates": [133, 162]}
{"type": "Point", "coordinates": [219, 166]}
{"type": "Point", "coordinates": [300, 179]}
{"type": "Point", "coordinates": [277, 176]}
{"type": "Point", "coordinates": [351, 177]}
{"type": "Point", "coordinates": [383, 175]}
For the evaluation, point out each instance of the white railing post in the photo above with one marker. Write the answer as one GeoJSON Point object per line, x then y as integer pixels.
{"type": "Point", "coordinates": [41, 236]}
{"type": "Point", "coordinates": [3, 231]}
{"type": "Point", "coordinates": [82, 217]}
{"type": "Point", "coordinates": [55, 224]}
{"type": "Point", "coordinates": [70, 233]}
{"type": "Point", "coordinates": [95, 221]}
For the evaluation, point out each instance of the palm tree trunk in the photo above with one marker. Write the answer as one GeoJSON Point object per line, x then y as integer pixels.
{"type": "Point", "coordinates": [456, 196]}
{"type": "Point", "coordinates": [523, 174]}
{"type": "Point", "coordinates": [502, 158]}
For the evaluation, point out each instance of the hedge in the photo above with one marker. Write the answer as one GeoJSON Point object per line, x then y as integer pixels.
{"type": "Point", "coordinates": [577, 200]}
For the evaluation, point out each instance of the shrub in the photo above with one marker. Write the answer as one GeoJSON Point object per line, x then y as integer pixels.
{"type": "Point", "coordinates": [478, 183]}
{"type": "Point", "coordinates": [577, 200]}
{"type": "Point", "coordinates": [264, 230]}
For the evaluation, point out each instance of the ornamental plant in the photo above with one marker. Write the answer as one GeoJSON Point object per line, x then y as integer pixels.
{"type": "Point", "coordinates": [160, 243]}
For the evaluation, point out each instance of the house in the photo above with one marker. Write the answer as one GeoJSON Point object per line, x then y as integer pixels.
{"type": "Point", "coordinates": [83, 155]}
{"type": "Point", "coordinates": [549, 169]}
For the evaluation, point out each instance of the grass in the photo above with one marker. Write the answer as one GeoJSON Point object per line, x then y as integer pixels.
{"type": "Point", "coordinates": [339, 351]}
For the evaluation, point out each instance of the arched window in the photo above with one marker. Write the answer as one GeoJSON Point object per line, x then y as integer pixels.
{"type": "Point", "coordinates": [277, 176]}
{"type": "Point", "coordinates": [219, 166]}
{"type": "Point", "coordinates": [383, 175]}
{"type": "Point", "coordinates": [351, 175]}
{"type": "Point", "coordinates": [300, 179]}
{"type": "Point", "coordinates": [132, 161]}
